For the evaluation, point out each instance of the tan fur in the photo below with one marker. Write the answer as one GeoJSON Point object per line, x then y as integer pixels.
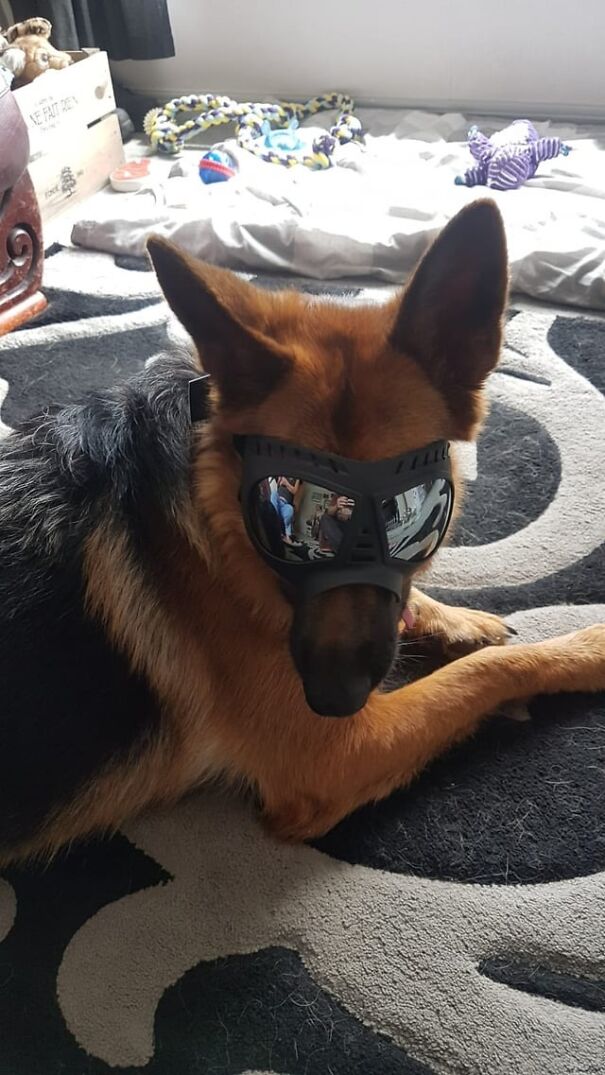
{"type": "Point", "coordinates": [213, 640]}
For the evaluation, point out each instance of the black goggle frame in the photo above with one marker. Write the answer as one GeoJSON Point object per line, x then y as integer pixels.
{"type": "Point", "coordinates": [364, 555]}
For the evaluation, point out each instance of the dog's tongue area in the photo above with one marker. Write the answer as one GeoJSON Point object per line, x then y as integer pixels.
{"type": "Point", "coordinates": [408, 619]}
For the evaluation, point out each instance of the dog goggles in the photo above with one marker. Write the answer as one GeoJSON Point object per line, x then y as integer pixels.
{"type": "Point", "coordinates": [321, 521]}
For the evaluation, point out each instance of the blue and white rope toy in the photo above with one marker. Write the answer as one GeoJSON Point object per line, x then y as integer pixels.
{"type": "Point", "coordinates": [168, 136]}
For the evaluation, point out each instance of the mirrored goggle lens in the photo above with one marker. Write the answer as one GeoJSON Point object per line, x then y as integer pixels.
{"type": "Point", "coordinates": [416, 521]}
{"type": "Point", "coordinates": [299, 521]}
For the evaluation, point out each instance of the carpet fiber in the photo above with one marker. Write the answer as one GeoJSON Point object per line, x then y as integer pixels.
{"type": "Point", "coordinates": [457, 927]}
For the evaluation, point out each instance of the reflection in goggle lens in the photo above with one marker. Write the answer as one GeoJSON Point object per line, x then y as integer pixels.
{"type": "Point", "coordinates": [416, 520]}
{"type": "Point", "coordinates": [299, 521]}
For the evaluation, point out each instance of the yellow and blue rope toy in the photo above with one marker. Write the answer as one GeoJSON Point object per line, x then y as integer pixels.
{"type": "Point", "coordinates": [251, 120]}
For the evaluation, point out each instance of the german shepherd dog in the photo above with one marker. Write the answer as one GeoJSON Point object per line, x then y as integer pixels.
{"type": "Point", "coordinates": [146, 647]}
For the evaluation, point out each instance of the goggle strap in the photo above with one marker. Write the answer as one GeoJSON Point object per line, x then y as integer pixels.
{"type": "Point", "coordinates": [198, 407]}
{"type": "Point", "coordinates": [198, 398]}
{"type": "Point", "coordinates": [239, 443]}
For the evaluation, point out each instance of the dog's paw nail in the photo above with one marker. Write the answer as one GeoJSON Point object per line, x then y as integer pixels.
{"type": "Point", "coordinates": [511, 630]}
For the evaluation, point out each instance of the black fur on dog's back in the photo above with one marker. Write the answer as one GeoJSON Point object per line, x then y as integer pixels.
{"type": "Point", "coordinates": [70, 703]}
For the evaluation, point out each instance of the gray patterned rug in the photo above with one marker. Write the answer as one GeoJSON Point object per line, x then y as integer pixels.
{"type": "Point", "coordinates": [459, 926]}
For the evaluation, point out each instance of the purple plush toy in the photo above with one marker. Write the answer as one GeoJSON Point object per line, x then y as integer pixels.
{"type": "Point", "coordinates": [509, 157]}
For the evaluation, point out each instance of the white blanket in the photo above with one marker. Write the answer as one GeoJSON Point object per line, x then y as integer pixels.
{"type": "Point", "coordinates": [373, 214]}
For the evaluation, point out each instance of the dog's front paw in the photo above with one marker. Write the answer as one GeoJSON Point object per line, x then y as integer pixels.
{"type": "Point", "coordinates": [458, 631]}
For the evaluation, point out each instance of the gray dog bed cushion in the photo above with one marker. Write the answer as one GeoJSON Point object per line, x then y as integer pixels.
{"type": "Point", "coordinates": [374, 212]}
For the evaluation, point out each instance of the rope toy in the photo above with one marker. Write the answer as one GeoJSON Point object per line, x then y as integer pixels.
{"type": "Point", "coordinates": [168, 136]}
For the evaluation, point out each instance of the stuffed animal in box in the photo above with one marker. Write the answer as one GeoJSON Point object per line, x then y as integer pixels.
{"type": "Point", "coordinates": [510, 157]}
{"type": "Point", "coordinates": [26, 51]}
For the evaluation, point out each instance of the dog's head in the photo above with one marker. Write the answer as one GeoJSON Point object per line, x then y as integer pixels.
{"type": "Point", "coordinates": [366, 383]}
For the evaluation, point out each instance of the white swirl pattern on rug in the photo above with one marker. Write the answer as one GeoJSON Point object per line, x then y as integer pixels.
{"type": "Point", "coordinates": [401, 953]}
{"type": "Point", "coordinates": [572, 526]}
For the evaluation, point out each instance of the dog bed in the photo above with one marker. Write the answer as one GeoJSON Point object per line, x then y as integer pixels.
{"type": "Point", "coordinates": [376, 210]}
{"type": "Point", "coordinates": [455, 928]}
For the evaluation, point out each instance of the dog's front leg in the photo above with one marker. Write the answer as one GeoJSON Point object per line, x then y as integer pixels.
{"type": "Point", "coordinates": [334, 765]}
{"type": "Point", "coordinates": [453, 631]}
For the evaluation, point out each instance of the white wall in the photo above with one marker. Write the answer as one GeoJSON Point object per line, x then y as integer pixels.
{"type": "Point", "coordinates": [543, 56]}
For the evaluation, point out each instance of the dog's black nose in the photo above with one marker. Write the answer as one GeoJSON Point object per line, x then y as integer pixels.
{"type": "Point", "coordinates": [332, 696]}
{"type": "Point", "coordinates": [343, 643]}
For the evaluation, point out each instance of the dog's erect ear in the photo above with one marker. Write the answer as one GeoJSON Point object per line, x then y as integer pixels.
{"type": "Point", "coordinates": [226, 318]}
{"type": "Point", "coordinates": [450, 316]}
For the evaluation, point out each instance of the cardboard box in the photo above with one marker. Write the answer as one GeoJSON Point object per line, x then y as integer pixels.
{"type": "Point", "coordinates": [74, 133]}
